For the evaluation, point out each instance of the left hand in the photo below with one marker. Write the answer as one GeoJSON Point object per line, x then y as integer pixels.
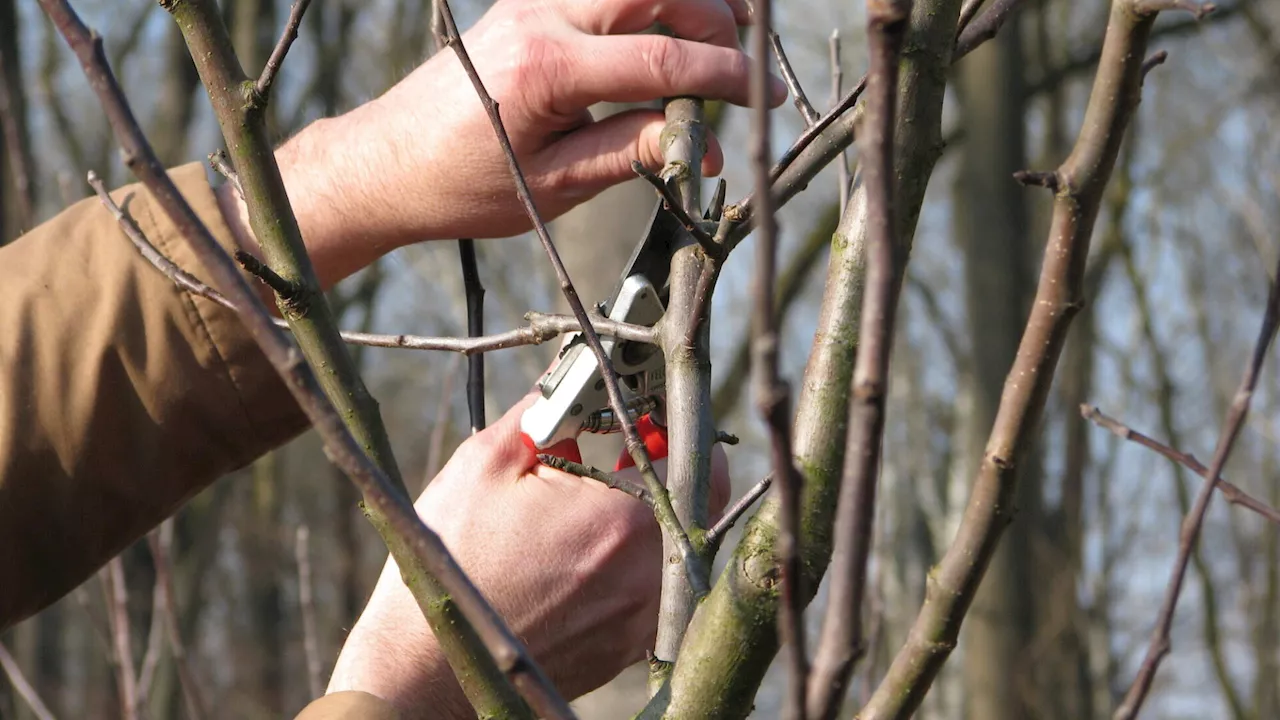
{"type": "Point", "coordinates": [573, 566]}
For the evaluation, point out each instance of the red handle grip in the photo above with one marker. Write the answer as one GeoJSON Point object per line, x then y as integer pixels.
{"type": "Point", "coordinates": [654, 437]}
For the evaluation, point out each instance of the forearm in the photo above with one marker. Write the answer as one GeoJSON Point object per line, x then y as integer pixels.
{"type": "Point", "coordinates": [337, 174]}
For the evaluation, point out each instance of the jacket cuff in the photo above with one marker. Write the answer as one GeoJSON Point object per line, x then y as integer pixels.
{"type": "Point", "coordinates": [349, 705]}
{"type": "Point", "coordinates": [262, 414]}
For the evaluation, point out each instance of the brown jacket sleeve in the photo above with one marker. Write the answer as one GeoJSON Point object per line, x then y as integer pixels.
{"type": "Point", "coordinates": [121, 396]}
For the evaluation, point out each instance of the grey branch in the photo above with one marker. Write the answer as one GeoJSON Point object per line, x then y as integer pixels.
{"type": "Point", "coordinates": [612, 480]}
{"type": "Point", "coordinates": [735, 512]}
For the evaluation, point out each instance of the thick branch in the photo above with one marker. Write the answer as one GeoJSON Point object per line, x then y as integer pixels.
{"type": "Point", "coordinates": [842, 633]}
{"type": "Point", "coordinates": [415, 547]}
{"type": "Point", "coordinates": [952, 584]}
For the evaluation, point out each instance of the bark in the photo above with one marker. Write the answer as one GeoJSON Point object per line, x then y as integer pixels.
{"type": "Point", "coordinates": [993, 228]}
{"type": "Point", "coordinates": [733, 636]}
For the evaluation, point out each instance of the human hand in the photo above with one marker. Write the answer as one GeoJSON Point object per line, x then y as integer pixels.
{"type": "Point", "coordinates": [573, 566]}
{"type": "Point", "coordinates": [422, 161]}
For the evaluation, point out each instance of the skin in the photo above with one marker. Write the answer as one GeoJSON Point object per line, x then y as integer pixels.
{"type": "Point", "coordinates": [573, 566]}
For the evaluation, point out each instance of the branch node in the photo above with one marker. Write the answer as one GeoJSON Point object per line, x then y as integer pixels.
{"type": "Point", "coordinates": [663, 185]}
{"type": "Point", "coordinates": [291, 294]}
{"type": "Point", "coordinates": [1035, 178]}
{"type": "Point", "coordinates": [1150, 63]}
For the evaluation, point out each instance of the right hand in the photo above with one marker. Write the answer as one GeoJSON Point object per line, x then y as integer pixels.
{"type": "Point", "coordinates": [422, 161]}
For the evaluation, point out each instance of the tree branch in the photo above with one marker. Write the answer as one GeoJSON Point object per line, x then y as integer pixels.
{"type": "Point", "coordinates": [611, 480]}
{"type": "Point", "coordinates": [307, 605]}
{"type": "Point", "coordinates": [673, 203]}
{"type": "Point", "coordinates": [842, 633]}
{"type": "Point", "coordinates": [952, 584]}
{"type": "Point", "coordinates": [1191, 524]}
{"type": "Point", "coordinates": [262, 89]}
{"type": "Point", "coordinates": [21, 686]}
{"type": "Point", "coordinates": [731, 516]}
{"type": "Point", "coordinates": [773, 397]}
{"type": "Point", "coordinates": [1232, 493]}
{"type": "Point", "coordinates": [419, 552]}
{"type": "Point", "coordinates": [117, 597]}
{"type": "Point", "coordinates": [160, 542]}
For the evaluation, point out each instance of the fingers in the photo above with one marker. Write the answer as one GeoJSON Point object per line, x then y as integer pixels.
{"type": "Point", "coordinates": [637, 68]}
{"type": "Point", "coordinates": [598, 156]}
{"type": "Point", "coordinates": [706, 21]}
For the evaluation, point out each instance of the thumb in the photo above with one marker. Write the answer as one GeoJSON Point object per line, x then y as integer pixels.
{"type": "Point", "coordinates": [599, 155]}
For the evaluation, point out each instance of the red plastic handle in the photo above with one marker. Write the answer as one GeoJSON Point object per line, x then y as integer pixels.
{"type": "Point", "coordinates": [654, 437]}
{"type": "Point", "coordinates": [567, 449]}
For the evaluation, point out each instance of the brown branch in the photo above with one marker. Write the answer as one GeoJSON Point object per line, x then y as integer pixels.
{"type": "Point", "coordinates": [307, 604]}
{"type": "Point", "coordinates": [827, 138]}
{"type": "Point", "coordinates": [731, 516]}
{"type": "Point", "coordinates": [406, 535]}
{"type": "Point", "coordinates": [160, 541]}
{"type": "Point", "coordinates": [1191, 524]}
{"type": "Point", "coordinates": [672, 203]}
{"type": "Point", "coordinates": [1156, 59]}
{"type": "Point", "coordinates": [773, 396]}
{"type": "Point", "coordinates": [985, 26]}
{"type": "Point", "coordinates": [16, 146]}
{"type": "Point", "coordinates": [117, 597]}
{"type": "Point", "coordinates": [1232, 493]}
{"type": "Point", "coordinates": [837, 85]}
{"type": "Point", "coordinates": [611, 480]}
{"type": "Point", "coordinates": [967, 13]}
{"type": "Point", "coordinates": [662, 502]}
{"type": "Point", "coordinates": [842, 632]}
{"type": "Point", "coordinates": [541, 328]}
{"type": "Point", "coordinates": [22, 686]}
{"type": "Point", "coordinates": [262, 88]}
{"type": "Point", "coordinates": [287, 292]}
{"type": "Point", "coordinates": [953, 583]}
{"type": "Point", "coordinates": [475, 328]}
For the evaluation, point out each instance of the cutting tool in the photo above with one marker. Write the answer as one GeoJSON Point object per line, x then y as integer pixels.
{"type": "Point", "coordinates": [572, 397]}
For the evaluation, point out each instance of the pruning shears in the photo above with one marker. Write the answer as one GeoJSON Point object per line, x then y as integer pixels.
{"type": "Point", "coordinates": [572, 397]}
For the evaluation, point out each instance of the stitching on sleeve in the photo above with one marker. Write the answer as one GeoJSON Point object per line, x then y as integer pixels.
{"type": "Point", "coordinates": [198, 320]}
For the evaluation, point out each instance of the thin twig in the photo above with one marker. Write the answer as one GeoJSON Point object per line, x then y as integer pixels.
{"type": "Point", "coordinates": [662, 502]}
{"type": "Point", "coordinates": [307, 603]}
{"type": "Point", "coordinates": [285, 290]}
{"type": "Point", "coordinates": [773, 396]}
{"type": "Point", "coordinates": [541, 328]}
{"type": "Point", "coordinates": [798, 97]}
{"type": "Point", "coordinates": [1232, 493]}
{"type": "Point", "coordinates": [612, 480]}
{"type": "Point", "coordinates": [400, 525]}
{"type": "Point", "coordinates": [731, 516]}
{"type": "Point", "coordinates": [672, 203]}
{"type": "Point", "coordinates": [842, 640]}
{"type": "Point", "coordinates": [837, 83]}
{"type": "Point", "coordinates": [219, 162]}
{"type": "Point", "coordinates": [21, 686]}
{"type": "Point", "coordinates": [155, 641]}
{"type": "Point", "coordinates": [475, 328]}
{"type": "Point", "coordinates": [117, 594]}
{"type": "Point", "coordinates": [967, 11]}
{"type": "Point", "coordinates": [1191, 524]}
{"type": "Point", "coordinates": [266, 80]}
{"type": "Point", "coordinates": [160, 541]}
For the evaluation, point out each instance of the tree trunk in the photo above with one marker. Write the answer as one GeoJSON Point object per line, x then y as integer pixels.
{"type": "Point", "coordinates": [992, 224]}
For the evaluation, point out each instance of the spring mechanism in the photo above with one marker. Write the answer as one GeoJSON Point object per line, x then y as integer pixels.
{"type": "Point", "coordinates": [603, 421]}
